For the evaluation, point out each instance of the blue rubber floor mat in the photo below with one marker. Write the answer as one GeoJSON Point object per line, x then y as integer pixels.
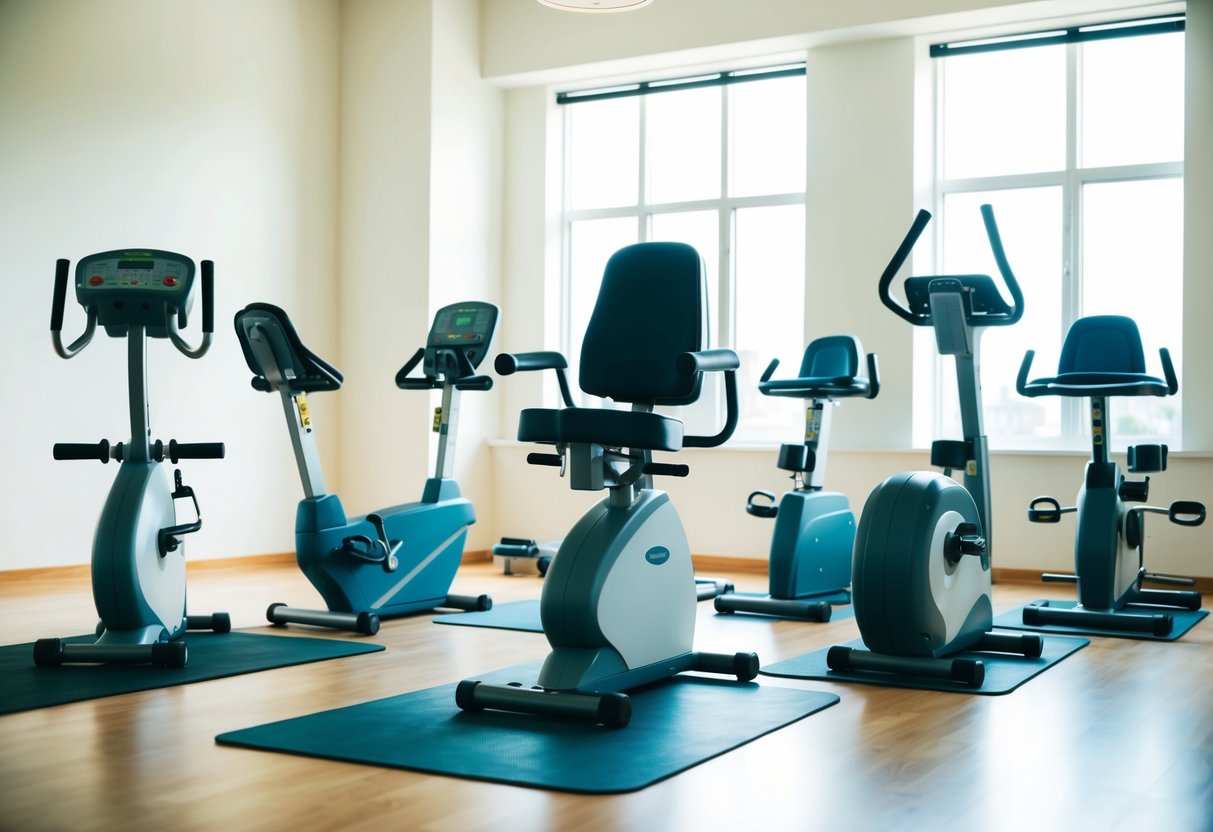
{"type": "Point", "coordinates": [1184, 620]}
{"type": "Point", "coordinates": [675, 725]}
{"type": "Point", "coordinates": [1004, 672]}
{"type": "Point", "coordinates": [211, 656]}
{"type": "Point", "coordinates": [516, 615]}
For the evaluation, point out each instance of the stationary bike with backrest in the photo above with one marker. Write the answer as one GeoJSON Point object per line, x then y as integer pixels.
{"type": "Point", "coordinates": [138, 561]}
{"type": "Point", "coordinates": [814, 529]}
{"type": "Point", "coordinates": [396, 560]}
{"type": "Point", "coordinates": [618, 604]}
{"type": "Point", "coordinates": [921, 578]}
{"type": "Point", "coordinates": [1102, 357]}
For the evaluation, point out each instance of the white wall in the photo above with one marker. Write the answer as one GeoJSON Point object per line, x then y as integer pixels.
{"type": "Point", "coordinates": [421, 166]}
{"type": "Point", "coordinates": [861, 88]}
{"type": "Point", "coordinates": [160, 123]}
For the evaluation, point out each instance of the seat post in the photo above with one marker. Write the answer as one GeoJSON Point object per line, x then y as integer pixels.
{"type": "Point", "coordinates": [1100, 438]}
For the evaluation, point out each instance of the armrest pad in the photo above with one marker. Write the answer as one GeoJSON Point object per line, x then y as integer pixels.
{"type": "Point", "coordinates": [708, 361]}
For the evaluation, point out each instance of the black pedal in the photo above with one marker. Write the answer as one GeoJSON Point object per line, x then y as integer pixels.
{"type": "Point", "coordinates": [949, 453]}
{"type": "Point", "coordinates": [1135, 491]}
{"type": "Point", "coordinates": [1045, 510]}
{"type": "Point", "coordinates": [1147, 459]}
{"type": "Point", "coordinates": [796, 458]}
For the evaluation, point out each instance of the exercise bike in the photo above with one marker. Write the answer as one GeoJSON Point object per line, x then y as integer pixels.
{"type": "Point", "coordinates": [398, 560]}
{"type": "Point", "coordinates": [1103, 357]}
{"type": "Point", "coordinates": [921, 579]}
{"type": "Point", "coordinates": [814, 529]}
{"type": "Point", "coordinates": [618, 602]}
{"type": "Point", "coordinates": [138, 560]}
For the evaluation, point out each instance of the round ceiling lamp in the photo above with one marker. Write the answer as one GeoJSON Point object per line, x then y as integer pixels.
{"type": "Point", "coordinates": [596, 5]}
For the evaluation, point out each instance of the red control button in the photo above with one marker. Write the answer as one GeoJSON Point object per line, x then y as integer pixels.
{"type": "Point", "coordinates": [96, 280]}
{"type": "Point", "coordinates": [170, 281]}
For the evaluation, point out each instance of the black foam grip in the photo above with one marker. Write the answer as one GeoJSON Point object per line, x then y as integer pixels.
{"type": "Point", "coordinates": [195, 450]}
{"type": "Point", "coordinates": [208, 295]}
{"type": "Point", "coordinates": [99, 451]}
{"type": "Point", "coordinates": [60, 297]}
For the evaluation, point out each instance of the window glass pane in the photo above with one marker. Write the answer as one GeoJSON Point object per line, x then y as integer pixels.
{"type": "Point", "coordinates": [1132, 105]}
{"type": "Point", "coordinates": [1030, 224]}
{"type": "Point", "coordinates": [769, 314]}
{"type": "Point", "coordinates": [1004, 112]}
{"type": "Point", "coordinates": [683, 130]}
{"type": "Point", "coordinates": [1132, 256]}
{"type": "Point", "coordinates": [604, 157]}
{"type": "Point", "coordinates": [591, 244]}
{"type": "Point", "coordinates": [768, 137]}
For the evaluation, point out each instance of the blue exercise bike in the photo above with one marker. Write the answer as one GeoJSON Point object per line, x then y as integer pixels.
{"type": "Point", "coordinates": [814, 528]}
{"type": "Point", "coordinates": [398, 560]}
{"type": "Point", "coordinates": [138, 559]}
{"type": "Point", "coordinates": [1101, 358]}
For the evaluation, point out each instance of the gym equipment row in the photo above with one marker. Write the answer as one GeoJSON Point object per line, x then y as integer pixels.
{"type": "Point", "coordinates": [619, 598]}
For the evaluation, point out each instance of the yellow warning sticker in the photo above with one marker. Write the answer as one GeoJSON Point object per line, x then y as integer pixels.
{"type": "Point", "coordinates": [305, 416]}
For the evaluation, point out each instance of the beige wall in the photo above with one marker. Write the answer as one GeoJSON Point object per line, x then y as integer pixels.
{"type": "Point", "coordinates": [345, 159]}
{"type": "Point", "coordinates": [148, 123]}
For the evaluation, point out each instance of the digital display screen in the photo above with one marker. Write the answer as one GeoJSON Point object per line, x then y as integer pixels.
{"type": "Point", "coordinates": [147, 265]}
{"type": "Point", "coordinates": [463, 320]}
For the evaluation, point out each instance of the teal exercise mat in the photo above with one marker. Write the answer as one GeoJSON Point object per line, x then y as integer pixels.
{"type": "Point", "coordinates": [675, 725]}
{"type": "Point", "coordinates": [516, 615]}
{"type": "Point", "coordinates": [1184, 620]}
{"type": "Point", "coordinates": [211, 656]}
{"type": "Point", "coordinates": [839, 601]}
{"type": "Point", "coordinates": [1004, 672]}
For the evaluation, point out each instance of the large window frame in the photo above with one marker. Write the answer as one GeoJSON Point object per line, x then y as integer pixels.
{"type": "Point", "coordinates": [777, 417]}
{"type": "Point", "coordinates": [932, 413]}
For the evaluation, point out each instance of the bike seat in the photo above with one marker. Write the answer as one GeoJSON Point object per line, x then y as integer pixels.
{"type": "Point", "coordinates": [1101, 356]}
{"type": "Point", "coordinates": [277, 356]}
{"type": "Point", "coordinates": [830, 369]}
{"type": "Point", "coordinates": [650, 313]}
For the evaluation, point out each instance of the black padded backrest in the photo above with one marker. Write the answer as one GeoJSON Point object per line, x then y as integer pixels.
{"type": "Point", "coordinates": [833, 356]}
{"type": "Point", "coordinates": [651, 308]}
{"type": "Point", "coordinates": [1102, 344]}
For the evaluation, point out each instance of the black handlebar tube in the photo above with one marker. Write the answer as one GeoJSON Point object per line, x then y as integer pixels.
{"type": "Point", "coordinates": [507, 363]}
{"type": "Point", "coordinates": [714, 361]}
{"type": "Point", "coordinates": [1168, 370]}
{"type": "Point", "coordinates": [873, 376]}
{"type": "Point", "coordinates": [895, 264]}
{"type": "Point", "coordinates": [1004, 268]}
{"type": "Point", "coordinates": [58, 301]}
{"type": "Point", "coordinates": [1021, 381]}
{"type": "Point", "coordinates": [195, 450]}
{"type": "Point", "coordinates": [208, 295]}
{"type": "Point", "coordinates": [61, 275]}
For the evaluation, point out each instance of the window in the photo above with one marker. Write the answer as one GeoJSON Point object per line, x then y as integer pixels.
{"type": "Point", "coordinates": [1076, 138]}
{"type": "Point", "coordinates": [717, 162]}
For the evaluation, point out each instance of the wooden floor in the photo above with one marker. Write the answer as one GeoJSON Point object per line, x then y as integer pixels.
{"type": "Point", "coordinates": [1119, 736]}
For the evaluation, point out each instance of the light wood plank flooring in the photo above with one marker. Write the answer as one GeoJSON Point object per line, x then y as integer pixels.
{"type": "Point", "coordinates": [1119, 736]}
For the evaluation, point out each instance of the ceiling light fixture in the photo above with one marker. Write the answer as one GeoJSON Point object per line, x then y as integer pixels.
{"type": "Point", "coordinates": [596, 5]}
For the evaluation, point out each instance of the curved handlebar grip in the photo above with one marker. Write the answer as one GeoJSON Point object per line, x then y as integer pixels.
{"type": "Point", "coordinates": [1004, 268]}
{"type": "Point", "coordinates": [406, 383]}
{"type": "Point", "coordinates": [769, 371]}
{"type": "Point", "coordinates": [507, 363]}
{"type": "Point", "coordinates": [873, 376]}
{"type": "Point", "coordinates": [731, 410]}
{"type": "Point", "coordinates": [1021, 380]}
{"type": "Point", "coordinates": [899, 259]}
{"type": "Point", "coordinates": [208, 295]}
{"type": "Point", "coordinates": [474, 383]}
{"type": "Point", "coordinates": [60, 297]}
{"type": "Point", "coordinates": [1168, 370]}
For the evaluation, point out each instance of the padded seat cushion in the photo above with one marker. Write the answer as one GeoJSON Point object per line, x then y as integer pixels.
{"type": "Point", "coordinates": [610, 428]}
